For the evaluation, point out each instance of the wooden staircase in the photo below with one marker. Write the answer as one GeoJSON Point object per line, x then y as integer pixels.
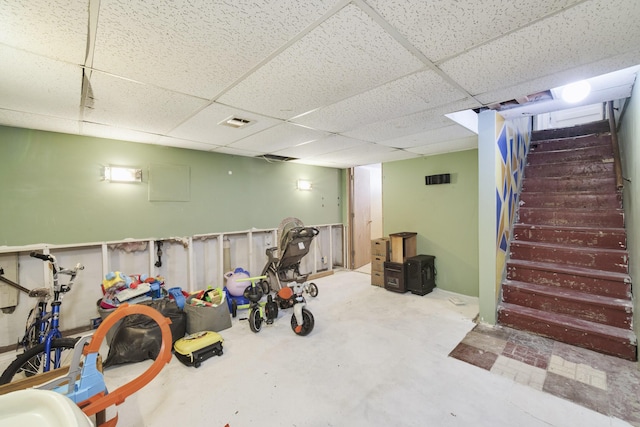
{"type": "Point", "coordinates": [567, 273]}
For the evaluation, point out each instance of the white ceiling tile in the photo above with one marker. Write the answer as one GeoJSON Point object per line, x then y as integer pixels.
{"type": "Point", "coordinates": [567, 40]}
{"type": "Point", "coordinates": [416, 92]}
{"type": "Point", "coordinates": [410, 124]}
{"type": "Point", "coordinates": [131, 105]}
{"type": "Point", "coordinates": [391, 156]}
{"type": "Point", "coordinates": [39, 85]}
{"type": "Point", "coordinates": [278, 137]}
{"type": "Point", "coordinates": [327, 164]}
{"type": "Point", "coordinates": [469, 143]}
{"type": "Point", "coordinates": [111, 132]}
{"type": "Point", "coordinates": [38, 121]}
{"type": "Point", "coordinates": [347, 54]}
{"type": "Point", "coordinates": [442, 28]}
{"type": "Point", "coordinates": [366, 154]}
{"type": "Point", "coordinates": [185, 143]}
{"type": "Point", "coordinates": [445, 133]}
{"type": "Point", "coordinates": [53, 28]}
{"type": "Point", "coordinates": [321, 146]}
{"type": "Point", "coordinates": [197, 47]}
{"type": "Point", "coordinates": [536, 85]}
{"type": "Point", "coordinates": [205, 126]}
{"type": "Point", "coordinates": [237, 152]}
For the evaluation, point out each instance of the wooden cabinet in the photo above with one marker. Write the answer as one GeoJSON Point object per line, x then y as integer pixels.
{"type": "Point", "coordinates": [403, 245]}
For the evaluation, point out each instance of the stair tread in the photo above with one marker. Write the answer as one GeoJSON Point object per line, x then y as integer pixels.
{"type": "Point", "coordinates": [596, 128]}
{"type": "Point", "coordinates": [570, 163]}
{"type": "Point", "coordinates": [570, 228]}
{"type": "Point", "coordinates": [574, 210]}
{"type": "Point", "coordinates": [571, 236]}
{"type": "Point", "coordinates": [587, 249]}
{"type": "Point", "coordinates": [564, 178]}
{"type": "Point", "coordinates": [571, 294]}
{"type": "Point", "coordinates": [599, 192]}
{"type": "Point", "coordinates": [571, 269]}
{"type": "Point", "coordinates": [572, 322]}
{"type": "Point", "coordinates": [604, 142]}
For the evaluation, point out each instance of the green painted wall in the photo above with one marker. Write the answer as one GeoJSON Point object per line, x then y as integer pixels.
{"type": "Point", "coordinates": [629, 139]}
{"type": "Point", "coordinates": [444, 216]}
{"type": "Point", "coordinates": [51, 191]}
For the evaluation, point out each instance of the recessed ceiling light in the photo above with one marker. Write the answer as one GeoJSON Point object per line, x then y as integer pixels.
{"type": "Point", "coordinates": [576, 92]}
{"type": "Point", "coordinates": [235, 122]}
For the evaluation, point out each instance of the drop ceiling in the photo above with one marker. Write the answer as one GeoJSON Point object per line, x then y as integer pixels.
{"type": "Point", "coordinates": [329, 83]}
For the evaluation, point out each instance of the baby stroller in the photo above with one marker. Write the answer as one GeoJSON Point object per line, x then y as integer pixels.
{"type": "Point", "coordinates": [283, 265]}
{"type": "Point", "coordinates": [282, 273]}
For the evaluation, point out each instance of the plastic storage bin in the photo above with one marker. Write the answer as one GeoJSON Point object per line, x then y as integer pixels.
{"type": "Point", "coordinates": [42, 408]}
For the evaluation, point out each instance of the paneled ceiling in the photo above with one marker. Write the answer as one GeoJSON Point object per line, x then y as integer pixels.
{"type": "Point", "coordinates": [326, 82]}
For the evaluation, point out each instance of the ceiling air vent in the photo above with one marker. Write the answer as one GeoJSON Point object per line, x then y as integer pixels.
{"type": "Point", "coordinates": [275, 158]}
{"type": "Point", "coordinates": [235, 122]}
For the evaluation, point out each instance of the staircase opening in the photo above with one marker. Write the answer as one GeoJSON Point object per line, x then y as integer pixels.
{"type": "Point", "coordinates": [567, 276]}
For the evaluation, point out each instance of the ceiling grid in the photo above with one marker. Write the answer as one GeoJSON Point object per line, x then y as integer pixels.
{"type": "Point", "coordinates": [334, 83]}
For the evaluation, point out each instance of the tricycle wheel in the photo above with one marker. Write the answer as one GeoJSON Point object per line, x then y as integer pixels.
{"type": "Point", "coordinates": [234, 308]}
{"type": "Point", "coordinates": [255, 320]}
{"type": "Point", "coordinates": [313, 289]}
{"type": "Point", "coordinates": [307, 323]}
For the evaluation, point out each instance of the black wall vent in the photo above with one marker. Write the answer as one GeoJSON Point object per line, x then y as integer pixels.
{"type": "Point", "coordinates": [443, 178]}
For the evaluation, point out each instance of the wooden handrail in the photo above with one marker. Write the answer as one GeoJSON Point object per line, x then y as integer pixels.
{"type": "Point", "coordinates": [617, 165]}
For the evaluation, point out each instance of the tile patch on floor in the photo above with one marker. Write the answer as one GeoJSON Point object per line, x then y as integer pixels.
{"type": "Point", "coordinates": [605, 384]}
{"type": "Point", "coordinates": [578, 371]}
{"type": "Point", "coordinates": [485, 342]}
{"type": "Point", "coordinates": [524, 353]}
{"type": "Point", "coordinates": [519, 372]}
{"type": "Point", "coordinates": [475, 356]}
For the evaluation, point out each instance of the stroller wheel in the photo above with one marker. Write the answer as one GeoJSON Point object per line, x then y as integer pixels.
{"type": "Point", "coordinates": [313, 289]}
{"type": "Point", "coordinates": [255, 320]}
{"type": "Point", "coordinates": [307, 323]}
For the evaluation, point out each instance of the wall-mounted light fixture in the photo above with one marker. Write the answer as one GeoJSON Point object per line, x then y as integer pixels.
{"type": "Point", "coordinates": [304, 184]}
{"type": "Point", "coordinates": [122, 174]}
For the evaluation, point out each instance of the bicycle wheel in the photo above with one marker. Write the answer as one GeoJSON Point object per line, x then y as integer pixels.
{"type": "Point", "coordinates": [31, 361]}
{"type": "Point", "coordinates": [31, 336]}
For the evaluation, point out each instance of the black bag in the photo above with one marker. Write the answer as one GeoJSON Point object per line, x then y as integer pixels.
{"type": "Point", "coordinates": [139, 337]}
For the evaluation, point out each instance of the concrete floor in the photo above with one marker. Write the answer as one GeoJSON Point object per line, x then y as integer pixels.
{"type": "Point", "coordinates": [375, 358]}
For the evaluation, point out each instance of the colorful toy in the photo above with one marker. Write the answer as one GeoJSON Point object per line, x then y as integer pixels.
{"type": "Point", "coordinates": [85, 385]}
{"type": "Point", "coordinates": [236, 289]}
{"type": "Point", "coordinates": [117, 288]}
{"type": "Point", "coordinates": [117, 279]}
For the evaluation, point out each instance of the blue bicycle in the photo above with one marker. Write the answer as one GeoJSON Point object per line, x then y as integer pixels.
{"type": "Point", "coordinates": [44, 347]}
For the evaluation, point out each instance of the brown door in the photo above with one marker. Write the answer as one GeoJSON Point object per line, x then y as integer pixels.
{"type": "Point", "coordinates": [359, 217]}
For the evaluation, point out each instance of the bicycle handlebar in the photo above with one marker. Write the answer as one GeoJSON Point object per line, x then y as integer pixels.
{"type": "Point", "coordinates": [59, 270]}
{"type": "Point", "coordinates": [41, 256]}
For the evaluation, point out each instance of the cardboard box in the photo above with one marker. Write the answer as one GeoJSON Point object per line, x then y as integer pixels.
{"type": "Point", "coordinates": [403, 246]}
{"type": "Point", "coordinates": [377, 278]}
{"type": "Point", "coordinates": [377, 263]}
{"type": "Point", "coordinates": [380, 247]}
